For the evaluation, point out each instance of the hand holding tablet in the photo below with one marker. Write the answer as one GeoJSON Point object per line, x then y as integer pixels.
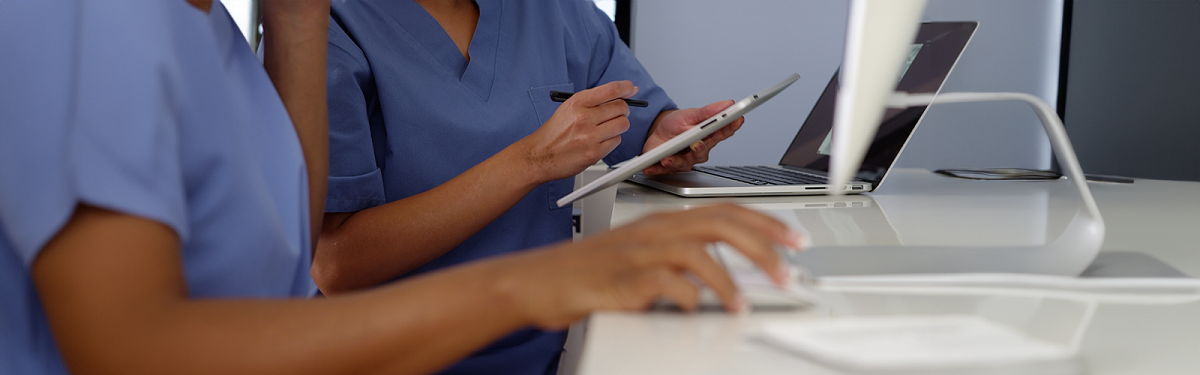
{"type": "Point", "coordinates": [680, 142]}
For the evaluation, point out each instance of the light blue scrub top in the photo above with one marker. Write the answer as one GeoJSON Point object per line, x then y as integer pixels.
{"type": "Point", "coordinates": [153, 109]}
{"type": "Point", "coordinates": [408, 112]}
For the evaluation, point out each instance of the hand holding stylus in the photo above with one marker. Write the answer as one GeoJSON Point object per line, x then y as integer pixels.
{"type": "Point", "coordinates": [585, 128]}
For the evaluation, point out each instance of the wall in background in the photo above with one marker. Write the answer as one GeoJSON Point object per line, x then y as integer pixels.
{"type": "Point", "coordinates": [702, 51]}
{"type": "Point", "coordinates": [1133, 91]}
{"type": "Point", "coordinates": [707, 50]}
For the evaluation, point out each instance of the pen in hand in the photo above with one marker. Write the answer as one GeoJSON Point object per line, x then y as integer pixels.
{"type": "Point", "coordinates": [560, 97]}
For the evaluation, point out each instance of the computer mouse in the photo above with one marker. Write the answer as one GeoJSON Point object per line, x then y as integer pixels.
{"type": "Point", "coordinates": [762, 294]}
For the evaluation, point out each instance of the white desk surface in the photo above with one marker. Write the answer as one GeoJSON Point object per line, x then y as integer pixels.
{"type": "Point", "coordinates": [915, 207]}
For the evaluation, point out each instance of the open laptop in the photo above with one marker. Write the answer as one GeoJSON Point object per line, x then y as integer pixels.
{"type": "Point", "coordinates": [804, 167]}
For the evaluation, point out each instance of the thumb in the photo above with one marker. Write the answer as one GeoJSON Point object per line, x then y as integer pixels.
{"type": "Point", "coordinates": [700, 114]}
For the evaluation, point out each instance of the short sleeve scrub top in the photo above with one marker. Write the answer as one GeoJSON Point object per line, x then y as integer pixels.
{"type": "Point", "coordinates": [153, 109]}
{"type": "Point", "coordinates": [409, 112]}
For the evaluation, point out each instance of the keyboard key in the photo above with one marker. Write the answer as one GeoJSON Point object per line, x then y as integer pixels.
{"type": "Point", "coordinates": [761, 175]}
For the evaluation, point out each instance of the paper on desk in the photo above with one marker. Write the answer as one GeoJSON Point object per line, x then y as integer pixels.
{"type": "Point", "coordinates": [921, 344]}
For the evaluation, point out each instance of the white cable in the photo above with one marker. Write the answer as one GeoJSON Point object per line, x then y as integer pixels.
{"type": "Point", "coordinates": [1005, 280]}
{"type": "Point", "coordinates": [1146, 296]}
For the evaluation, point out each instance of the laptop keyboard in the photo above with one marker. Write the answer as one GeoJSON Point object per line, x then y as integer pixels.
{"type": "Point", "coordinates": [763, 175]}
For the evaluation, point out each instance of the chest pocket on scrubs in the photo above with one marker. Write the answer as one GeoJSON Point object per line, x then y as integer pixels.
{"type": "Point", "coordinates": [544, 107]}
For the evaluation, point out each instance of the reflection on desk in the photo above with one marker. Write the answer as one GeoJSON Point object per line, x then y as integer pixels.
{"type": "Point", "coordinates": [941, 225]}
{"type": "Point", "coordinates": [917, 208]}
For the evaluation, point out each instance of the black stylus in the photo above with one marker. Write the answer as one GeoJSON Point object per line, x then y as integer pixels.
{"type": "Point", "coordinates": [560, 97]}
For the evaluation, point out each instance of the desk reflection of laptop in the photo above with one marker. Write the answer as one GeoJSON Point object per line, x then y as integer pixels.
{"type": "Point", "coordinates": [804, 167]}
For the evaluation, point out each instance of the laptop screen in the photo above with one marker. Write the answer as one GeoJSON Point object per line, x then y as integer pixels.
{"type": "Point", "coordinates": [930, 59]}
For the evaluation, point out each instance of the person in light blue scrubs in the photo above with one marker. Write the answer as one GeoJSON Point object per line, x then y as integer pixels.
{"type": "Point", "coordinates": [204, 147]}
{"type": "Point", "coordinates": [155, 210]}
{"type": "Point", "coordinates": [427, 117]}
{"type": "Point", "coordinates": [155, 204]}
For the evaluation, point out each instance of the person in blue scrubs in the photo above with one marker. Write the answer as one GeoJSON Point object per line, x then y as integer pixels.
{"type": "Point", "coordinates": [155, 119]}
{"type": "Point", "coordinates": [441, 122]}
{"type": "Point", "coordinates": [155, 202]}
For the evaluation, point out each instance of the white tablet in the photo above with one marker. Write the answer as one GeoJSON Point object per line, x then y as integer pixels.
{"type": "Point", "coordinates": [681, 141]}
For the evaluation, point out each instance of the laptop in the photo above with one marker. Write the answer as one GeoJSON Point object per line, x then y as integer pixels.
{"type": "Point", "coordinates": [804, 168]}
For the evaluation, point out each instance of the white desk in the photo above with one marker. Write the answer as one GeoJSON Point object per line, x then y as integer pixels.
{"type": "Point", "coordinates": [915, 207]}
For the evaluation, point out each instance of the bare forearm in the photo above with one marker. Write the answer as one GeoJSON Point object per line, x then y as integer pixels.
{"type": "Point", "coordinates": [117, 301]}
{"type": "Point", "coordinates": [394, 330]}
{"type": "Point", "coordinates": [296, 41]}
{"type": "Point", "coordinates": [383, 242]}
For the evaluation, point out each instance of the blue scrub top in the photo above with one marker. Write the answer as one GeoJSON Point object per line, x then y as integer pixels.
{"type": "Point", "coordinates": [153, 109]}
{"type": "Point", "coordinates": [408, 112]}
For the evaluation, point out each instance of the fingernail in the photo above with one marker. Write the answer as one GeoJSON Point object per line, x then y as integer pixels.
{"type": "Point", "coordinates": [742, 306]}
{"type": "Point", "coordinates": [798, 242]}
{"type": "Point", "coordinates": [783, 274]}
{"type": "Point", "coordinates": [666, 162]}
{"type": "Point", "coordinates": [698, 146]}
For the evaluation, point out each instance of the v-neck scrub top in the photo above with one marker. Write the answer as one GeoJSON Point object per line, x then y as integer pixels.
{"type": "Point", "coordinates": [408, 112]}
{"type": "Point", "coordinates": [152, 109]}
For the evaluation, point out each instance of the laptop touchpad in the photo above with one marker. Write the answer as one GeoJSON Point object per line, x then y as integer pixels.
{"type": "Point", "coordinates": [693, 179]}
